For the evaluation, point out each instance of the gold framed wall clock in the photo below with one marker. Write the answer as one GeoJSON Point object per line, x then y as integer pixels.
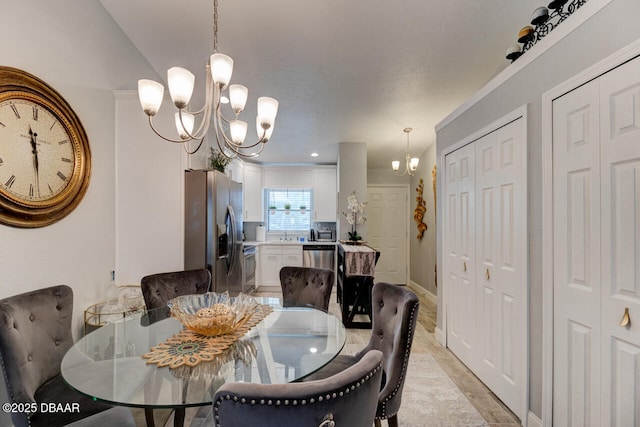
{"type": "Point", "coordinates": [45, 160]}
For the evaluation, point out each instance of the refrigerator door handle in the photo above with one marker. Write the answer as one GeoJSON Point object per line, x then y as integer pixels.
{"type": "Point", "coordinates": [232, 233]}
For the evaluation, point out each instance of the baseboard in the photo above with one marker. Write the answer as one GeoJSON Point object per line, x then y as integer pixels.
{"type": "Point", "coordinates": [424, 292]}
{"type": "Point", "coordinates": [533, 420]}
{"type": "Point", "coordinates": [440, 336]}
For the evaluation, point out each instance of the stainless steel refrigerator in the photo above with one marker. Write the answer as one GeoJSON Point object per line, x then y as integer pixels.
{"type": "Point", "coordinates": [213, 228]}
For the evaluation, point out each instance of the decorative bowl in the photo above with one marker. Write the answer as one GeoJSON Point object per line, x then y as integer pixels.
{"type": "Point", "coordinates": [212, 313]}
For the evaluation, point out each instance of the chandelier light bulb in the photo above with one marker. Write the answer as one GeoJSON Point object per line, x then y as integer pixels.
{"type": "Point", "coordinates": [238, 130]}
{"type": "Point", "coordinates": [221, 69]}
{"type": "Point", "coordinates": [181, 83]}
{"type": "Point", "coordinates": [238, 95]}
{"type": "Point", "coordinates": [413, 164]}
{"type": "Point", "coordinates": [188, 121]}
{"type": "Point", "coordinates": [395, 165]}
{"type": "Point", "coordinates": [263, 134]}
{"type": "Point", "coordinates": [150, 94]}
{"type": "Point", "coordinates": [267, 110]}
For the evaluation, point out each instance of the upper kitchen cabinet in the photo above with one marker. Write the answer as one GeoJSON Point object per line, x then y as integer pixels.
{"type": "Point", "coordinates": [235, 171]}
{"type": "Point", "coordinates": [252, 193]}
{"type": "Point", "coordinates": [325, 194]}
{"type": "Point", "coordinates": [288, 177]}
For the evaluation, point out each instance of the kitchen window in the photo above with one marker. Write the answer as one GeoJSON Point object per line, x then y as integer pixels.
{"type": "Point", "coordinates": [298, 215]}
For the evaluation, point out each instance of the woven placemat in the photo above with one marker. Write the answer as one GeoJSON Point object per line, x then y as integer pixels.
{"type": "Point", "coordinates": [187, 348]}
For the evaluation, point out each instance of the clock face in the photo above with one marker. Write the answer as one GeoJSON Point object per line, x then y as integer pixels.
{"type": "Point", "coordinates": [37, 153]}
{"type": "Point", "coordinates": [45, 160]}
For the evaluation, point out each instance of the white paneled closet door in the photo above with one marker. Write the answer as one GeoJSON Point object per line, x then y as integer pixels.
{"type": "Point", "coordinates": [576, 199]}
{"type": "Point", "coordinates": [485, 264]}
{"type": "Point", "coordinates": [620, 171]}
{"type": "Point", "coordinates": [460, 251]}
{"type": "Point", "coordinates": [500, 273]}
{"type": "Point", "coordinates": [596, 157]}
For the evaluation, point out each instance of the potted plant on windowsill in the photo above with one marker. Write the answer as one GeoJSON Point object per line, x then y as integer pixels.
{"type": "Point", "coordinates": [287, 208]}
{"type": "Point", "coordinates": [272, 209]}
{"type": "Point", "coordinates": [303, 209]}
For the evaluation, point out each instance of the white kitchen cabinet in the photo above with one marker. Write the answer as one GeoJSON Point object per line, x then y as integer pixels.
{"type": "Point", "coordinates": [235, 170]}
{"type": "Point", "coordinates": [272, 258]}
{"type": "Point", "coordinates": [325, 183]}
{"type": "Point", "coordinates": [252, 193]}
{"type": "Point", "coordinates": [288, 177]}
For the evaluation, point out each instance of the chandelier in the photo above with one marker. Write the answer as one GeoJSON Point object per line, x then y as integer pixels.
{"type": "Point", "coordinates": [411, 163]}
{"type": "Point", "coordinates": [229, 133]}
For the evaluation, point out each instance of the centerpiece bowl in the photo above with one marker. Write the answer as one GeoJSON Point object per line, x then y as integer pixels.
{"type": "Point", "coordinates": [212, 313]}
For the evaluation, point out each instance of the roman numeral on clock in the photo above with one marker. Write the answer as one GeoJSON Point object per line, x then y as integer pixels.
{"type": "Point", "coordinates": [15, 111]}
{"type": "Point", "coordinates": [10, 181]}
{"type": "Point", "coordinates": [61, 176]}
{"type": "Point", "coordinates": [35, 113]}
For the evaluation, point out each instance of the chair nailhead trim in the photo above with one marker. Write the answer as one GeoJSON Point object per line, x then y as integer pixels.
{"type": "Point", "coordinates": [405, 363]}
{"type": "Point", "coordinates": [286, 402]}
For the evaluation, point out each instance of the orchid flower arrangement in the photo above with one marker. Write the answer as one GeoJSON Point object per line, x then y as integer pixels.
{"type": "Point", "coordinates": [355, 215]}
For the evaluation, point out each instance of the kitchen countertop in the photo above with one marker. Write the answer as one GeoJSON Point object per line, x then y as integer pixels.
{"type": "Point", "coordinates": [286, 242]}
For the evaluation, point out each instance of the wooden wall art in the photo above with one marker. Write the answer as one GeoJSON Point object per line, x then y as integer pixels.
{"type": "Point", "coordinates": [418, 213]}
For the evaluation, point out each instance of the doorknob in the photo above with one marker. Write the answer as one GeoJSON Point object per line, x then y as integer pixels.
{"type": "Point", "coordinates": [487, 275]}
{"type": "Point", "coordinates": [626, 320]}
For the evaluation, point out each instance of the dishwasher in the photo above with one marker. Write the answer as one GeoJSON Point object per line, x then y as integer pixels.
{"type": "Point", "coordinates": [319, 256]}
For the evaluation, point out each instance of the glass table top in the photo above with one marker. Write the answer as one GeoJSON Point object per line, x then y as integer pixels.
{"type": "Point", "coordinates": [287, 345]}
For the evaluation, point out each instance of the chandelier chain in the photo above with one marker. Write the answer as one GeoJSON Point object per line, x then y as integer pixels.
{"type": "Point", "coordinates": [215, 26]}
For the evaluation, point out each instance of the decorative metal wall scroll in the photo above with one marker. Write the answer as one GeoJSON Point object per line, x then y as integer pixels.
{"type": "Point", "coordinates": [421, 208]}
{"type": "Point", "coordinates": [544, 22]}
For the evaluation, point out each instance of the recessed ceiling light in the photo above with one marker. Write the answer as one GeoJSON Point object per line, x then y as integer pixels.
{"type": "Point", "coordinates": [314, 154]}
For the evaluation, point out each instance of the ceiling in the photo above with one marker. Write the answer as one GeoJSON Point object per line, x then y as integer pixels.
{"type": "Point", "coordinates": [342, 70]}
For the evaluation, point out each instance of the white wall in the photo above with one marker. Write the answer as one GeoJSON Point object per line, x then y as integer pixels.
{"type": "Point", "coordinates": [75, 47]}
{"type": "Point", "coordinates": [614, 27]}
{"type": "Point", "coordinates": [149, 193]}
{"type": "Point", "coordinates": [423, 252]}
{"type": "Point", "coordinates": [352, 175]}
{"type": "Point", "coordinates": [85, 63]}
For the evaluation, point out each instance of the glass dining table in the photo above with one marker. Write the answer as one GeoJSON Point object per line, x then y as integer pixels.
{"type": "Point", "coordinates": [131, 361]}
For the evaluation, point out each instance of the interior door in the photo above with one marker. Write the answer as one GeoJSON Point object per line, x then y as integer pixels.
{"type": "Point", "coordinates": [460, 252]}
{"type": "Point", "coordinates": [387, 232]}
{"type": "Point", "coordinates": [596, 157]}
{"type": "Point", "coordinates": [485, 265]}
{"type": "Point", "coordinates": [576, 199]}
{"type": "Point", "coordinates": [500, 275]}
{"type": "Point", "coordinates": [620, 245]}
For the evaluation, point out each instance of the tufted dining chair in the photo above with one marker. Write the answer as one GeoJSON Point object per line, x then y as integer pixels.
{"type": "Point", "coordinates": [394, 316]}
{"type": "Point", "coordinates": [35, 334]}
{"type": "Point", "coordinates": [159, 288]}
{"type": "Point", "coordinates": [306, 286]}
{"type": "Point", "coordinates": [348, 398]}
